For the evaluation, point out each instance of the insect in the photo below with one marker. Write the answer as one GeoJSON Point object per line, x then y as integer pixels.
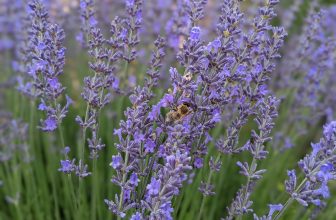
{"type": "Point", "coordinates": [187, 76]}
{"type": "Point", "coordinates": [178, 113]}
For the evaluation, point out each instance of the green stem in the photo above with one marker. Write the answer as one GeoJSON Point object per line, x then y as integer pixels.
{"type": "Point", "coordinates": [289, 201]}
{"type": "Point", "coordinates": [287, 204]}
{"type": "Point", "coordinates": [94, 190]}
{"type": "Point", "coordinates": [121, 198]}
{"type": "Point", "coordinates": [208, 182]}
{"type": "Point", "coordinates": [32, 146]}
{"type": "Point", "coordinates": [84, 132]}
{"type": "Point", "coordinates": [178, 203]}
{"type": "Point", "coordinates": [60, 131]}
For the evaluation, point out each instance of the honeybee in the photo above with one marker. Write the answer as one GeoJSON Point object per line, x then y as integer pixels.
{"type": "Point", "coordinates": [178, 113]}
{"type": "Point", "coordinates": [187, 76]}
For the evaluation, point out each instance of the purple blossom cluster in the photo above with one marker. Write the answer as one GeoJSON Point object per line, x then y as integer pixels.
{"type": "Point", "coordinates": [138, 139]}
{"type": "Point", "coordinates": [318, 170]}
{"type": "Point", "coordinates": [105, 54]}
{"type": "Point", "coordinates": [215, 77]}
{"type": "Point", "coordinates": [94, 92]}
{"type": "Point", "coordinates": [69, 166]}
{"type": "Point", "coordinates": [44, 66]}
{"type": "Point", "coordinates": [251, 66]}
{"type": "Point", "coordinates": [256, 146]}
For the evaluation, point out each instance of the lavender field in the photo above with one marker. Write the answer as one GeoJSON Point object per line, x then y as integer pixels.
{"type": "Point", "coordinates": [167, 109]}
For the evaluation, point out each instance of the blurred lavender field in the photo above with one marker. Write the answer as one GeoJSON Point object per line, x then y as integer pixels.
{"type": "Point", "coordinates": [167, 109]}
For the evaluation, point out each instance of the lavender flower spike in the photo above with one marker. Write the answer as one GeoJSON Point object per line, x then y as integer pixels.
{"type": "Point", "coordinates": [97, 91]}
{"type": "Point", "coordinates": [135, 131]}
{"type": "Point", "coordinates": [47, 62]}
{"type": "Point", "coordinates": [318, 169]}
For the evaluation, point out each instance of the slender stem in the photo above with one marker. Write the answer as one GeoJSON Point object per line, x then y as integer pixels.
{"type": "Point", "coordinates": [287, 204]}
{"type": "Point", "coordinates": [202, 207]}
{"type": "Point", "coordinates": [69, 182]}
{"type": "Point", "coordinates": [84, 132]}
{"type": "Point", "coordinates": [32, 145]}
{"type": "Point", "coordinates": [121, 198]}
{"type": "Point", "coordinates": [125, 75]}
{"type": "Point", "coordinates": [60, 131]}
{"type": "Point", "coordinates": [179, 201]}
{"type": "Point", "coordinates": [94, 190]}
{"type": "Point", "coordinates": [289, 201]}
{"type": "Point", "coordinates": [207, 183]}
{"type": "Point", "coordinates": [80, 193]}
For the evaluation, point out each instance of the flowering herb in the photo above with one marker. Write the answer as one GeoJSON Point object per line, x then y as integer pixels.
{"type": "Point", "coordinates": [138, 139]}
{"type": "Point", "coordinates": [207, 97]}
{"type": "Point", "coordinates": [46, 66]}
{"type": "Point", "coordinates": [318, 169]}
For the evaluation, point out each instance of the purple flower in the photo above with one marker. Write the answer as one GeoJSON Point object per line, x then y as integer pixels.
{"type": "Point", "coordinates": [212, 84]}
{"type": "Point", "coordinates": [42, 107]}
{"type": "Point", "coordinates": [317, 202]}
{"type": "Point", "coordinates": [155, 111]}
{"type": "Point", "coordinates": [322, 191]}
{"type": "Point", "coordinates": [214, 45]}
{"type": "Point", "coordinates": [54, 83]}
{"type": "Point", "coordinates": [149, 146]}
{"type": "Point", "coordinates": [116, 162]}
{"type": "Point", "coordinates": [81, 170]}
{"type": "Point", "coordinates": [98, 88]}
{"type": "Point", "coordinates": [88, 20]}
{"type": "Point", "coordinates": [273, 208]}
{"type": "Point", "coordinates": [136, 216]}
{"type": "Point", "coordinates": [195, 10]}
{"type": "Point", "coordinates": [47, 59]}
{"type": "Point", "coordinates": [49, 124]}
{"type": "Point", "coordinates": [291, 182]}
{"type": "Point", "coordinates": [118, 132]}
{"type": "Point", "coordinates": [134, 180]}
{"type": "Point", "coordinates": [83, 4]}
{"type": "Point", "coordinates": [138, 138]}
{"type": "Point", "coordinates": [129, 3]}
{"type": "Point", "coordinates": [198, 163]}
{"type": "Point", "coordinates": [127, 195]}
{"type": "Point", "coordinates": [66, 150]}
{"type": "Point", "coordinates": [195, 33]}
{"type": "Point", "coordinates": [93, 22]}
{"type": "Point", "coordinates": [153, 188]}
{"type": "Point", "coordinates": [167, 100]}
{"type": "Point", "coordinates": [67, 166]}
{"type": "Point", "coordinates": [329, 130]}
{"type": "Point", "coordinates": [325, 173]}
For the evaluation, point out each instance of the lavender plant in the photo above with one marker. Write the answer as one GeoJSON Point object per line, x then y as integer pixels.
{"type": "Point", "coordinates": [318, 170]}
{"type": "Point", "coordinates": [191, 116]}
{"type": "Point", "coordinates": [170, 136]}
{"type": "Point", "coordinates": [138, 137]}
{"type": "Point", "coordinates": [47, 57]}
{"type": "Point", "coordinates": [250, 97]}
